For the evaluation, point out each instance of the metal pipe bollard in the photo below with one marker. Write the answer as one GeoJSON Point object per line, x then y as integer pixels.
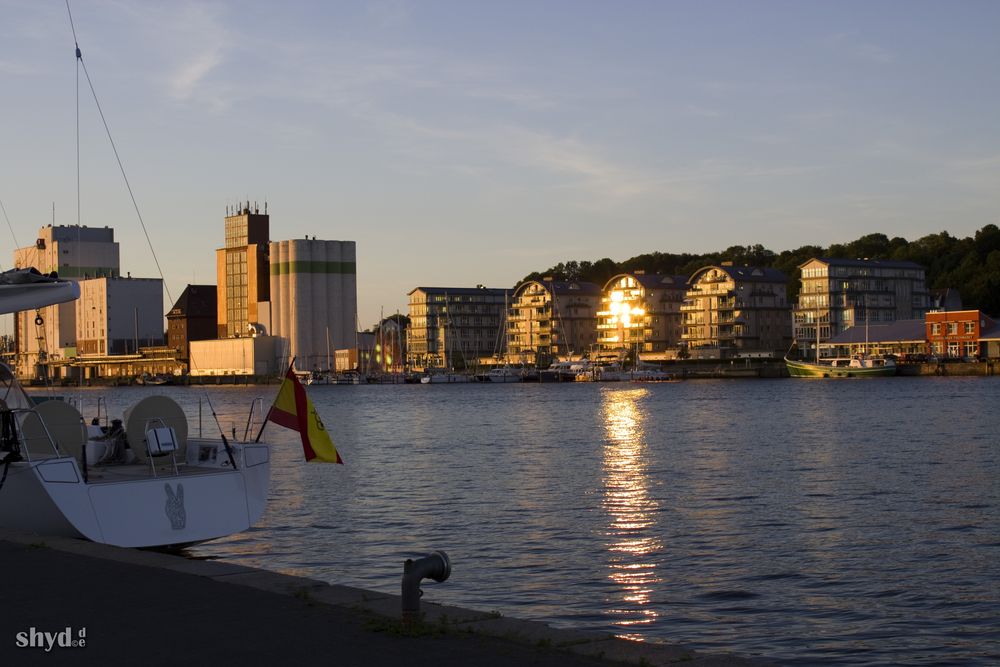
{"type": "Point", "coordinates": [436, 566]}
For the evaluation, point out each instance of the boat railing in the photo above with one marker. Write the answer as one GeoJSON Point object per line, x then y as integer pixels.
{"type": "Point", "coordinates": [256, 410]}
{"type": "Point", "coordinates": [161, 440]}
{"type": "Point", "coordinates": [15, 439]}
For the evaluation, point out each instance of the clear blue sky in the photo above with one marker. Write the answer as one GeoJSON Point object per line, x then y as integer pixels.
{"type": "Point", "coordinates": [467, 142]}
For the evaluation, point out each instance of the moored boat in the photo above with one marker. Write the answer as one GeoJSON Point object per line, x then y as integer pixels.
{"type": "Point", "coordinates": [857, 366]}
{"type": "Point", "coordinates": [149, 485]}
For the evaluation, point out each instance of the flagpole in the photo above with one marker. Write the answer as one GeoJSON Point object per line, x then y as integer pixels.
{"type": "Point", "coordinates": [264, 423]}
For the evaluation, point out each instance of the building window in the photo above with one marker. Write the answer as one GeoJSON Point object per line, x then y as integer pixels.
{"type": "Point", "coordinates": [952, 328]}
{"type": "Point", "coordinates": [970, 327]}
{"type": "Point", "coordinates": [936, 329]}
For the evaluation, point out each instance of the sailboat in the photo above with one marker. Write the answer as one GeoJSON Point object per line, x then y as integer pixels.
{"type": "Point", "coordinates": [141, 483]}
{"type": "Point", "coordinates": [856, 366]}
{"type": "Point", "coordinates": [61, 477]}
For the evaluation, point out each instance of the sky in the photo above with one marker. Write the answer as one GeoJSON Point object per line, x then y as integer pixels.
{"type": "Point", "coordinates": [470, 142]}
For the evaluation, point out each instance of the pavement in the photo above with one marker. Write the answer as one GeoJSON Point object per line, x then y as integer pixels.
{"type": "Point", "coordinates": [72, 602]}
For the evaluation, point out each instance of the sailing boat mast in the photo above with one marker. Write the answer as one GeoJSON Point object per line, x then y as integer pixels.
{"type": "Point", "coordinates": [817, 329]}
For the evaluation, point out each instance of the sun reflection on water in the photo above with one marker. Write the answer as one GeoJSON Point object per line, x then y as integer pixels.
{"type": "Point", "coordinates": [631, 510]}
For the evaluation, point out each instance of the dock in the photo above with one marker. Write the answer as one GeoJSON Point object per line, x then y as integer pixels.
{"type": "Point", "coordinates": [128, 606]}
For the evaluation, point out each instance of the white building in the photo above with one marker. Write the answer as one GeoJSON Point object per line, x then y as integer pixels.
{"type": "Point", "coordinates": [73, 252]}
{"type": "Point", "coordinates": [314, 298]}
{"type": "Point", "coordinates": [118, 315]}
{"type": "Point", "coordinates": [256, 356]}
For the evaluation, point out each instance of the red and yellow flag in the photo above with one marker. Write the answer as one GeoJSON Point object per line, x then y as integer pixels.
{"type": "Point", "coordinates": [293, 409]}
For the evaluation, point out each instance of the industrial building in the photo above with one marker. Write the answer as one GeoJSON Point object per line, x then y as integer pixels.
{"type": "Point", "coordinates": [314, 299]}
{"type": "Point", "coordinates": [247, 357]}
{"type": "Point", "coordinates": [193, 317]}
{"type": "Point", "coordinates": [118, 315]}
{"type": "Point", "coordinates": [75, 252]}
{"type": "Point", "coordinates": [242, 270]}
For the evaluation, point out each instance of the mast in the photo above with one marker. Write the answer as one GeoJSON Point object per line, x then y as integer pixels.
{"type": "Point", "coordinates": [817, 329]}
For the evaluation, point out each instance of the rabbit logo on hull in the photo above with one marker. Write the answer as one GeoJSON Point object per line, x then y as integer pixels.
{"type": "Point", "coordinates": [175, 507]}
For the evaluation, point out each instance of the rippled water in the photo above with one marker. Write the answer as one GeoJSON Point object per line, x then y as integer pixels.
{"type": "Point", "coordinates": [852, 522]}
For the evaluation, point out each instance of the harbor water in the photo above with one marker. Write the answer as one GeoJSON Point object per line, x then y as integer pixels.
{"type": "Point", "coordinates": [836, 522]}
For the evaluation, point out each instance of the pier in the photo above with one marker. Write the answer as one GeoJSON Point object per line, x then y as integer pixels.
{"type": "Point", "coordinates": [129, 606]}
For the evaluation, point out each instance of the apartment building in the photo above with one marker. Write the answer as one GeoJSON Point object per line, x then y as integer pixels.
{"type": "Point", "coordinates": [552, 319]}
{"type": "Point", "coordinates": [452, 327]}
{"type": "Point", "coordinates": [641, 313]}
{"type": "Point", "coordinates": [841, 293]}
{"type": "Point", "coordinates": [732, 311]}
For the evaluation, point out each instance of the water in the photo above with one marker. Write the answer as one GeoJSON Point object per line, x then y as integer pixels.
{"type": "Point", "coordinates": [842, 522]}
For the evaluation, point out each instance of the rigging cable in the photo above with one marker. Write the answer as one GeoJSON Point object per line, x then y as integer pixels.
{"type": "Point", "coordinates": [9, 226]}
{"type": "Point", "coordinates": [114, 148]}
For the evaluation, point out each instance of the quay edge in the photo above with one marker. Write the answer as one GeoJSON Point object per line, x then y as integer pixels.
{"type": "Point", "coordinates": [357, 626]}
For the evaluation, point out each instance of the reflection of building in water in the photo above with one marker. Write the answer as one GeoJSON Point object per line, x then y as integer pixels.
{"type": "Point", "coordinates": [633, 541]}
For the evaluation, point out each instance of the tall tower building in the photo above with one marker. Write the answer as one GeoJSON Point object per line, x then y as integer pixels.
{"type": "Point", "coordinates": [73, 252]}
{"type": "Point", "coordinates": [242, 270]}
{"type": "Point", "coordinates": [314, 298]}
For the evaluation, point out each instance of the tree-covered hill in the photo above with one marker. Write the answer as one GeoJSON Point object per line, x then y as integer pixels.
{"type": "Point", "coordinates": [970, 265]}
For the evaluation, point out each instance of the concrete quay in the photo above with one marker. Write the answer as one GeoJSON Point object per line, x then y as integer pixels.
{"type": "Point", "coordinates": [142, 607]}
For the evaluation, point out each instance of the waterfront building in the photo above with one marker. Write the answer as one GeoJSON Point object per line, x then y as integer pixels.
{"type": "Point", "coordinates": [552, 319]}
{"type": "Point", "coordinates": [959, 333]}
{"type": "Point", "coordinates": [641, 314]}
{"type": "Point", "coordinates": [452, 327]}
{"type": "Point", "coordinates": [238, 358]}
{"type": "Point", "coordinates": [242, 270]}
{"type": "Point", "coordinates": [388, 350]}
{"type": "Point", "coordinates": [841, 293]}
{"type": "Point", "coordinates": [736, 311]}
{"type": "Point", "coordinates": [314, 299]}
{"type": "Point", "coordinates": [193, 317]}
{"type": "Point", "coordinates": [118, 315]}
{"type": "Point", "coordinates": [905, 339]}
{"type": "Point", "coordinates": [74, 252]}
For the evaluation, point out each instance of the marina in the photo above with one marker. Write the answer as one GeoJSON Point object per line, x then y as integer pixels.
{"type": "Point", "coordinates": [835, 523]}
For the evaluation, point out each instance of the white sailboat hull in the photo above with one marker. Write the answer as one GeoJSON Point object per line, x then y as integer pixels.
{"type": "Point", "coordinates": [200, 503]}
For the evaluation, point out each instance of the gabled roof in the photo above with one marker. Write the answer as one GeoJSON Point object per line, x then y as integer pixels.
{"type": "Point", "coordinates": [572, 287]}
{"type": "Point", "coordinates": [893, 332]}
{"type": "Point", "coordinates": [661, 281]}
{"type": "Point", "coordinates": [653, 280]}
{"type": "Point", "coordinates": [197, 301]}
{"type": "Point", "coordinates": [562, 287]}
{"type": "Point", "coordinates": [745, 274]}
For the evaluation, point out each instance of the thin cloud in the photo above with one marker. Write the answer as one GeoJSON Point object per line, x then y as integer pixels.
{"type": "Point", "coordinates": [850, 45]}
{"type": "Point", "coordinates": [188, 76]}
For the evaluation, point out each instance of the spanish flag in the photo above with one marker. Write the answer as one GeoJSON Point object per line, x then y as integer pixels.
{"type": "Point", "coordinates": [293, 409]}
